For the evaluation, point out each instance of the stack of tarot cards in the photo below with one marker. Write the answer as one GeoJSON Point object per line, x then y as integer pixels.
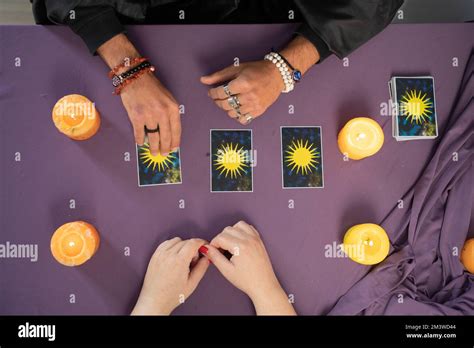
{"type": "Point", "coordinates": [414, 108]}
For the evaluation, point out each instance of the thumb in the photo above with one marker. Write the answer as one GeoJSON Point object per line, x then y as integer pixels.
{"type": "Point", "coordinates": [223, 75]}
{"type": "Point", "coordinates": [220, 261]}
{"type": "Point", "coordinates": [198, 272]}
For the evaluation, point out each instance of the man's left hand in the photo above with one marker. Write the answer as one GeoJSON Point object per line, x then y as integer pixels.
{"type": "Point", "coordinates": [257, 85]}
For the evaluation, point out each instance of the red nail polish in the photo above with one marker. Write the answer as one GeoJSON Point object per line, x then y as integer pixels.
{"type": "Point", "coordinates": [203, 250]}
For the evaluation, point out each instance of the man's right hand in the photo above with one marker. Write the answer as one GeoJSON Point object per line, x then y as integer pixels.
{"type": "Point", "coordinates": [149, 104]}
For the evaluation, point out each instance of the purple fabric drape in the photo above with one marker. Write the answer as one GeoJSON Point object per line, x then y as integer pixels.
{"type": "Point", "coordinates": [423, 273]}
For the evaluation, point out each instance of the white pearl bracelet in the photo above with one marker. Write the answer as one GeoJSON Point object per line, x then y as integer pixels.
{"type": "Point", "coordinates": [285, 70]}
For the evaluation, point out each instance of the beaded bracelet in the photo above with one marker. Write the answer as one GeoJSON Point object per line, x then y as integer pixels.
{"type": "Point", "coordinates": [132, 78]}
{"type": "Point", "coordinates": [127, 62]}
{"type": "Point", "coordinates": [284, 69]}
{"type": "Point", "coordinates": [122, 80]}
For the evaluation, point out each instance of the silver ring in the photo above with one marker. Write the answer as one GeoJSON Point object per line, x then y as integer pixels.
{"type": "Point", "coordinates": [248, 118]}
{"type": "Point", "coordinates": [234, 102]}
{"type": "Point", "coordinates": [227, 90]}
{"type": "Point", "coordinates": [239, 114]}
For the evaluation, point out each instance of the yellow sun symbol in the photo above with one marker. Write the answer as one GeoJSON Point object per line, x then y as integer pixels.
{"type": "Point", "coordinates": [301, 156]}
{"type": "Point", "coordinates": [415, 106]}
{"type": "Point", "coordinates": [231, 160]}
{"type": "Point", "coordinates": [158, 161]}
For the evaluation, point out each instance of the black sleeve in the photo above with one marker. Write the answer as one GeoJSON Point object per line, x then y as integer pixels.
{"type": "Point", "coordinates": [341, 26]}
{"type": "Point", "coordinates": [95, 24]}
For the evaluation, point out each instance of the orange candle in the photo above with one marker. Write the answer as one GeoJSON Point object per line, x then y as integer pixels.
{"type": "Point", "coordinates": [361, 137]}
{"type": "Point", "coordinates": [76, 116]}
{"type": "Point", "coordinates": [74, 243]}
{"type": "Point", "coordinates": [467, 255]}
{"type": "Point", "coordinates": [367, 244]}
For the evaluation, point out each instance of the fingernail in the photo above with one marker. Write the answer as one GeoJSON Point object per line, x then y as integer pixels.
{"type": "Point", "coordinates": [165, 154]}
{"type": "Point", "coordinates": [203, 250]}
{"type": "Point", "coordinates": [175, 149]}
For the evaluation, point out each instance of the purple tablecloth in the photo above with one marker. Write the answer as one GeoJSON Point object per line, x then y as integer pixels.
{"type": "Point", "coordinates": [36, 191]}
{"type": "Point", "coordinates": [423, 274]}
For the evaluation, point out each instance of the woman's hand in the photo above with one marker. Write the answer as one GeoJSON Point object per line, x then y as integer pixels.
{"type": "Point", "coordinates": [249, 268]}
{"type": "Point", "coordinates": [173, 273]}
{"type": "Point", "coordinates": [149, 104]}
{"type": "Point", "coordinates": [257, 85]}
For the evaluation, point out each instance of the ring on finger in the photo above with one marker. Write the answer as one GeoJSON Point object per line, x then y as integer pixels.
{"type": "Point", "coordinates": [248, 118]}
{"type": "Point", "coordinates": [227, 90]}
{"type": "Point", "coordinates": [238, 114]}
{"type": "Point", "coordinates": [234, 102]}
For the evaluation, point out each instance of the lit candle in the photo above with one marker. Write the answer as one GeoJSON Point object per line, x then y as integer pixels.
{"type": "Point", "coordinates": [467, 255]}
{"type": "Point", "coordinates": [361, 137]}
{"type": "Point", "coordinates": [367, 244]}
{"type": "Point", "coordinates": [74, 243]}
{"type": "Point", "coordinates": [76, 116]}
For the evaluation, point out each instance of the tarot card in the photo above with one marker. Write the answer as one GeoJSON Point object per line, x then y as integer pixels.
{"type": "Point", "coordinates": [416, 108]}
{"type": "Point", "coordinates": [231, 160]}
{"type": "Point", "coordinates": [157, 170]}
{"type": "Point", "coordinates": [302, 157]}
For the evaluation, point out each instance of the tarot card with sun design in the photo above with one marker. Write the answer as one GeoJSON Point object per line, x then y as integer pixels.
{"type": "Point", "coordinates": [302, 157]}
{"type": "Point", "coordinates": [231, 160]}
{"type": "Point", "coordinates": [416, 108]}
{"type": "Point", "coordinates": [157, 170]}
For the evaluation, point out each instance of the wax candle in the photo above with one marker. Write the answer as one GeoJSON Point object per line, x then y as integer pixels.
{"type": "Point", "coordinates": [367, 244]}
{"type": "Point", "coordinates": [76, 116]}
{"type": "Point", "coordinates": [467, 255]}
{"type": "Point", "coordinates": [361, 137]}
{"type": "Point", "coordinates": [74, 243]}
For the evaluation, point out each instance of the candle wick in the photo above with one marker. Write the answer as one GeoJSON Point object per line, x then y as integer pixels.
{"type": "Point", "coordinates": [369, 242]}
{"type": "Point", "coordinates": [71, 244]}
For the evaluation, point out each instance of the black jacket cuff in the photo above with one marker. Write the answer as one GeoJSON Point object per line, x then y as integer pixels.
{"type": "Point", "coordinates": [323, 49]}
{"type": "Point", "coordinates": [95, 27]}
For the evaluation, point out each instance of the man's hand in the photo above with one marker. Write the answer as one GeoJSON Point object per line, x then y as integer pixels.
{"type": "Point", "coordinates": [148, 103]}
{"type": "Point", "coordinates": [258, 85]}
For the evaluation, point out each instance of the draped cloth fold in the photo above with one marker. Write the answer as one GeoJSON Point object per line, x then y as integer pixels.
{"type": "Point", "coordinates": [423, 273]}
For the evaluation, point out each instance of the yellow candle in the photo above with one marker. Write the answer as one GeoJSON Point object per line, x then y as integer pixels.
{"type": "Point", "coordinates": [361, 137]}
{"type": "Point", "coordinates": [74, 243]}
{"type": "Point", "coordinates": [367, 244]}
{"type": "Point", "coordinates": [76, 116]}
{"type": "Point", "coordinates": [467, 255]}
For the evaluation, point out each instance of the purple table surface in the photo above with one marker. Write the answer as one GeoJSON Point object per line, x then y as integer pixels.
{"type": "Point", "coordinates": [35, 192]}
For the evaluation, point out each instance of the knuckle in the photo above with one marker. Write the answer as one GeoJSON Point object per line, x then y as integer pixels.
{"type": "Point", "coordinates": [241, 223]}
{"type": "Point", "coordinates": [244, 82]}
{"type": "Point", "coordinates": [174, 108]}
{"type": "Point", "coordinates": [195, 240]}
{"type": "Point", "coordinates": [253, 97]}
